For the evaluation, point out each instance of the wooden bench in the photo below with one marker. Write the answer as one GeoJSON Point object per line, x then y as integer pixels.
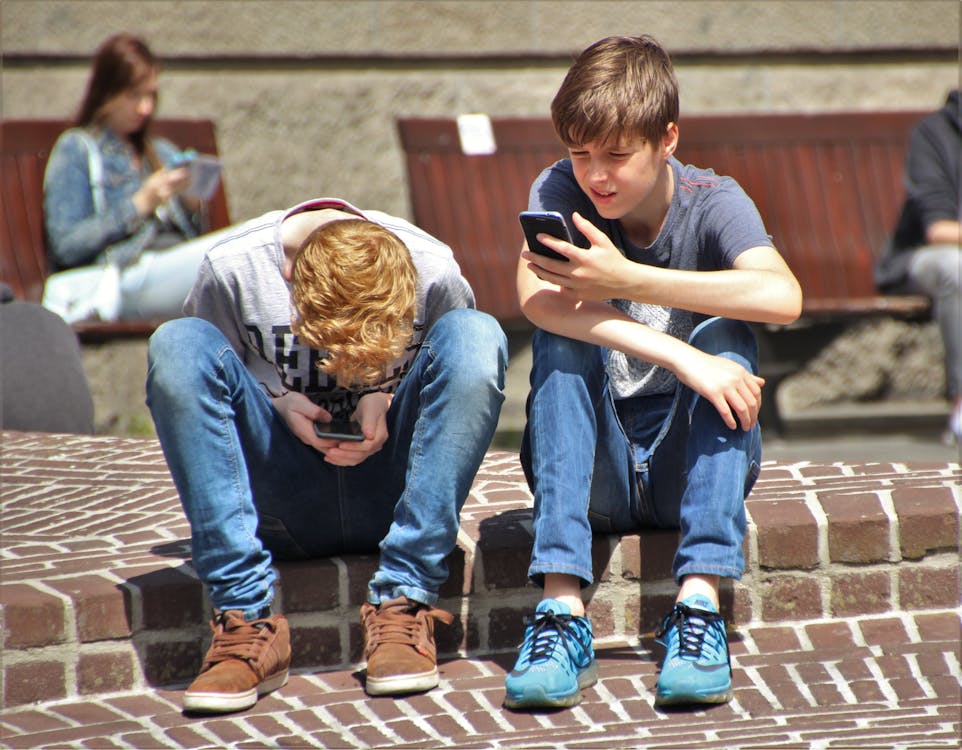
{"type": "Point", "coordinates": [24, 148]}
{"type": "Point", "coordinates": [828, 186]}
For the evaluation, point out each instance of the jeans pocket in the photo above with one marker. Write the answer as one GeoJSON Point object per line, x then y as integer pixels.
{"type": "Point", "coordinates": [275, 537]}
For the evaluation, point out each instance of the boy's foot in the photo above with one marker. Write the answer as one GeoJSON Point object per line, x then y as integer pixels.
{"type": "Point", "coordinates": [557, 659]}
{"type": "Point", "coordinates": [245, 661]}
{"type": "Point", "coordinates": [399, 646]}
{"type": "Point", "coordinates": [696, 668]}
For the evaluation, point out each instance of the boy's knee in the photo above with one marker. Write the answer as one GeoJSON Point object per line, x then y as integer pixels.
{"type": "Point", "coordinates": [477, 338]}
{"type": "Point", "coordinates": [562, 353]}
{"type": "Point", "coordinates": [724, 337]}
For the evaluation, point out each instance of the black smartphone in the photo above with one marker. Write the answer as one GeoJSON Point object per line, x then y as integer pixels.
{"type": "Point", "coordinates": [339, 429]}
{"type": "Point", "coordinates": [544, 222]}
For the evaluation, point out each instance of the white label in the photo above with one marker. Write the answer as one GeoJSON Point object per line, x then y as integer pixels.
{"type": "Point", "coordinates": [476, 134]}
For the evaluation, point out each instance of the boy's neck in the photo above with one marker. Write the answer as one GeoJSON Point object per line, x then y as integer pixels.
{"type": "Point", "coordinates": [643, 224]}
{"type": "Point", "coordinates": [296, 228]}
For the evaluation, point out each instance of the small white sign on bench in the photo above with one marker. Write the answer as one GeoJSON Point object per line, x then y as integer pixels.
{"type": "Point", "coordinates": [476, 134]}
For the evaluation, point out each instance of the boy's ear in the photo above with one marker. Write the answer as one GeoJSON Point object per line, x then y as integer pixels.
{"type": "Point", "coordinates": [669, 141]}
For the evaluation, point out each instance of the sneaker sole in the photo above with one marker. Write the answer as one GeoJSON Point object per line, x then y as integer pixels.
{"type": "Point", "coordinates": [679, 700]}
{"type": "Point", "coordinates": [536, 697]}
{"type": "Point", "coordinates": [404, 683]}
{"type": "Point", "coordinates": [228, 702]}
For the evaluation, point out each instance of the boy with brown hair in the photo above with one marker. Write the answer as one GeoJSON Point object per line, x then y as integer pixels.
{"type": "Point", "coordinates": [644, 398]}
{"type": "Point", "coordinates": [324, 312]}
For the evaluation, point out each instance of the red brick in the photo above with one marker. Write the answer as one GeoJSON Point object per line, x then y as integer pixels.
{"type": "Point", "coordinates": [102, 607]}
{"type": "Point", "coordinates": [105, 673]}
{"type": "Point", "coordinates": [858, 529]}
{"type": "Point", "coordinates": [602, 550]}
{"type": "Point", "coordinates": [741, 606]}
{"type": "Point", "coordinates": [33, 681]}
{"type": "Point", "coordinates": [928, 520]}
{"type": "Point", "coordinates": [168, 663]}
{"type": "Point", "coordinates": [928, 587]}
{"type": "Point", "coordinates": [31, 617]}
{"type": "Point", "coordinates": [772, 639]}
{"type": "Point", "coordinates": [787, 597]}
{"type": "Point", "coordinates": [315, 647]}
{"type": "Point", "coordinates": [602, 617]}
{"type": "Point", "coordinates": [657, 554]}
{"type": "Point", "coordinates": [360, 570]}
{"type": "Point", "coordinates": [308, 586]}
{"type": "Point", "coordinates": [170, 599]}
{"type": "Point", "coordinates": [506, 626]}
{"type": "Point", "coordinates": [861, 593]}
{"type": "Point", "coordinates": [941, 626]}
{"type": "Point", "coordinates": [787, 534]}
{"type": "Point", "coordinates": [830, 635]}
{"type": "Point", "coordinates": [504, 547]}
{"type": "Point", "coordinates": [887, 631]}
{"type": "Point", "coordinates": [449, 638]}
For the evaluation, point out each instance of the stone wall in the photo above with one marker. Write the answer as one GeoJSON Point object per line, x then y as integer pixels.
{"type": "Point", "coordinates": [305, 96]}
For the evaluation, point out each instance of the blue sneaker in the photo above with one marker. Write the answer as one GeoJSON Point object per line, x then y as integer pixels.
{"type": "Point", "coordinates": [697, 668]}
{"type": "Point", "coordinates": [557, 659]}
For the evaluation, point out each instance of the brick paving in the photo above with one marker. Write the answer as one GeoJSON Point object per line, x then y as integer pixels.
{"type": "Point", "coordinates": [845, 629]}
{"type": "Point", "coordinates": [875, 682]}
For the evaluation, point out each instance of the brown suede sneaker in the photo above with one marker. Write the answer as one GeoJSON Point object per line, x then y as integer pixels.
{"type": "Point", "coordinates": [245, 661]}
{"type": "Point", "coordinates": [399, 646]}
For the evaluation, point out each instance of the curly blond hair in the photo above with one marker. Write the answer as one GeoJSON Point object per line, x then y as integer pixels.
{"type": "Point", "coordinates": [353, 285]}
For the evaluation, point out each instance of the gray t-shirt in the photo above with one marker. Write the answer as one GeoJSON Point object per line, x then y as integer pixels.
{"type": "Point", "coordinates": [241, 290]}
{"type": "Point", "coordinates": [710, 222]}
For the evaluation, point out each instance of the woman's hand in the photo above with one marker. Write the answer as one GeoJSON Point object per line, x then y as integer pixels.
{"type": "Point", "coordinates": [159, 188]}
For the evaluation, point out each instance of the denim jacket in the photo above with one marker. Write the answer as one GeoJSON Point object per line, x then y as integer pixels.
{"type": "Point", "coordinates": [77, 234]}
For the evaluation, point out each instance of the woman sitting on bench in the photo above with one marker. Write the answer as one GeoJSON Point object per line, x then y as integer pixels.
{"type": "Point", "coordinates": [122, 219]}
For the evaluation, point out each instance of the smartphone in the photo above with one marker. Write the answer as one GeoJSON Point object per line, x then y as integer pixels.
{"type": "Point", "coordinates": [204, 176]}
{"type": "Point", "coordinates": [544, 222]}
{"type": "Point", "coordinates": [339, 429]}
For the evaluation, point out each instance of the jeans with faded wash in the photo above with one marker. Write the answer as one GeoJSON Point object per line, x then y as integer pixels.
{"type": "Point", "coordinates": [251, 490]}
{"type": "Point", "coordinates": [596, 464]}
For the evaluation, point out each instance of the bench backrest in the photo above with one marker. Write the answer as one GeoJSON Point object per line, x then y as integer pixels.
{"type": "Point", "coordinates": [828, 186]}
{"type": "Point", "coordinates": [24, 148]}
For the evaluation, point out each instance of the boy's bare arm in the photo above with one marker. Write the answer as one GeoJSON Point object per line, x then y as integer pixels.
{"type": "Point", "coordinates": [759, 288]}
{"type": "Point", "coordinates": [734, 391]}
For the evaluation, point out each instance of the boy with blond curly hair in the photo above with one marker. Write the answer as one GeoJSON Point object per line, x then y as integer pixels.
{"type": "Point", "coordinates": [644, 398]}
{"type": "Point", "coordinates": [323, 312]}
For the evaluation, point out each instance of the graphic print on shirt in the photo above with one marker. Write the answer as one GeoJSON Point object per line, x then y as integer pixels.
{"type": "Point", "coordinates": [297, 367]}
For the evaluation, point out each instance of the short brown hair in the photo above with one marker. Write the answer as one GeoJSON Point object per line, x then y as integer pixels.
{"type": "Point", "coordinates": [619, 86]}
{"type": "Point", "coordinates": [354, 285]}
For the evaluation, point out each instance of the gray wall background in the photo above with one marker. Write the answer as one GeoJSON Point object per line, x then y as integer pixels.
{"type": "Point", "coordinates": [305, 94]}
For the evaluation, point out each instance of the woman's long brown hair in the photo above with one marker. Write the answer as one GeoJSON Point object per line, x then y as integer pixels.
{"type": "Point", "coordinates": [121, 62]}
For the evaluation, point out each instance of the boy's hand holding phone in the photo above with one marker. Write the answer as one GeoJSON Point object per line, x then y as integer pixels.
{"type": "Point", "coordinates": [551, 223]}
{"type": "Point", "coordinates": [339, 429]}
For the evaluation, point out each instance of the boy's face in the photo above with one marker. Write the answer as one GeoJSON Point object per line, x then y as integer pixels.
{"type": "Point", "coordinates": [623, 177]}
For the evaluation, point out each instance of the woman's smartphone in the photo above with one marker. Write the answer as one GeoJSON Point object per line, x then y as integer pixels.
{"type": "Point", "coordinates": [339, 429]}
{"type": "Point", "coordinates": [544, 222]}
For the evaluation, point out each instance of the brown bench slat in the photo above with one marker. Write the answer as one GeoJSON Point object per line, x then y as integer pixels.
{"type": "Point", "coordinates": [24, 148]}
{"type": "Point", "coordinates": [828, 186]}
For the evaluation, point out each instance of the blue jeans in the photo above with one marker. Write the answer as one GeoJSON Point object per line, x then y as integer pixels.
{"type": "Point", "coordinates": [594, 464]}
{"type": "Point", "coordinates": [251, 489]}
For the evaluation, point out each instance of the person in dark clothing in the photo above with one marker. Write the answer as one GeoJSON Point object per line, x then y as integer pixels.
{"type": "Point", "coordinates": [924, 254]}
